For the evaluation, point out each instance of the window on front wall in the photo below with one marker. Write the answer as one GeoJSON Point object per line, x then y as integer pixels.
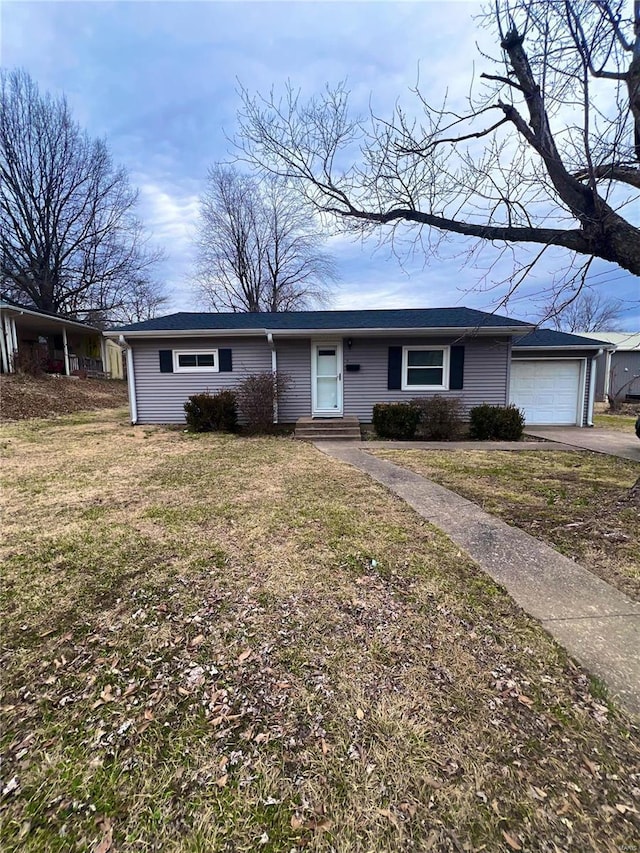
{"type": "Point", "coordinates": [425, 368]}
{"type": "Point", "coordinates": [195, 360]}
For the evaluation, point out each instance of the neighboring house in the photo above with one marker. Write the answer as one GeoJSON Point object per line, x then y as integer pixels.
{"type": "Point", "coordinates": [338, 363]}
{"type": "Point", "coordinates": [58, 344]}
{"type": "Point", "coordinates": [553, 377]}
{"type": "Point", "coordinates": [618, 368]}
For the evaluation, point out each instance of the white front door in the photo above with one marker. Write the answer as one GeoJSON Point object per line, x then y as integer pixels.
{"type": "Point", "coordinates": [326, 379]}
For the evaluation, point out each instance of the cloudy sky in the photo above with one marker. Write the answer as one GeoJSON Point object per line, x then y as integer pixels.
{"type": "Point", "coordinates": [159, 80]}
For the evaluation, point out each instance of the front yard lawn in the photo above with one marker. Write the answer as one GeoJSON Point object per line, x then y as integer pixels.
{"type": "Point", "coordinates": [619, 423]}
{"type": "Point", "coordinates": [221, 644]}
{"type": "Point", "coordinates": [574, 501]}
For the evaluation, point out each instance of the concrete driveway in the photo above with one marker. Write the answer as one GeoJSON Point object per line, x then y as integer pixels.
{"type": "Point", "coordinates": [621, 444]}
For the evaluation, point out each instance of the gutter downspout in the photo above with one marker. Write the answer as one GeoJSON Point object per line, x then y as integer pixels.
{"type": "Point", "coordinates": [274, 371]}
{"type": "Point", "coordinates": [607, 374]}
{"type": "Point", "coordinates": [592, 387]}
{"type": "Point", "coordinates": [131, 381]}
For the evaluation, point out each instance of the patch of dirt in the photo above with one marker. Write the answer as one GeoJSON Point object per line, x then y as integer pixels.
{"type": "Point", "coordinates": [23, 397]}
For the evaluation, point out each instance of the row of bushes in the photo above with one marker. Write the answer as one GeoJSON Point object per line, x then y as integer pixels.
{"type": "Point", "coordinates": [434, 418]}
{"type": "Point", "coordinates": [440, 419]}
{"type": "Point", "coordinates": [254, 398]}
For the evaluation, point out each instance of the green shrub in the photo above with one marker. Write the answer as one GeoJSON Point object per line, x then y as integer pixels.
{"type": "Point", "coordinates": [212, 412]}
{"type": "Point", "coordinates": [440, 417]}
{"type": "Point", "coordinates": [396, 420]}
{"type": "Point", "coordinates": [257, 396]}
{"type": "Point", "coordinates": [496, 423]}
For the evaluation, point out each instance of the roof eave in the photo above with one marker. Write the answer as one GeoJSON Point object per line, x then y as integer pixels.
{"type": "Point", "coordinates": [183, 333]}
{"type": "Point", "coordinates": [283, 333]}
{"type": "Point", "coordinates": [526, 348]}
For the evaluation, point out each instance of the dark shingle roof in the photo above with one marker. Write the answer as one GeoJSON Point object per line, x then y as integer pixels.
{"type": "Point", "coordinates": [551, 338]}
{"type": "Point", "coordinates": [400, 318]}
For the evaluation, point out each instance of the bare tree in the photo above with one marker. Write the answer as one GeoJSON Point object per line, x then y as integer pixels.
{"type": "Point", "coordinates": [69, 238]}
{"type": "Point", "coordinates": [258, 249]}
{"type": "Point", "coordinates": [546, 152]}
{"type": "Point", "coordinates": [589, 312]}
{"type": "Point", "coordinates": [142, 299]}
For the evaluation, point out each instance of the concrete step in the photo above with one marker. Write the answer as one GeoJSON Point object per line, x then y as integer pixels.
{"type": "Point", "coordinates": [328, 427]}
{"type": "Point", "coordinates": [328, 436]}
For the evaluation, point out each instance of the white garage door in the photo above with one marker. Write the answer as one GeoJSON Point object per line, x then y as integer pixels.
{"type": "Point", "coordinates": [547, 391]}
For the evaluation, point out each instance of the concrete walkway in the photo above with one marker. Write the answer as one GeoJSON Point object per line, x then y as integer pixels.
{"type": "Point", "coordinates": [598, 625]}
{"type": "Point", "coordinates": [622, 444]}
{"type": "Point", "coordinates": [514, 446]}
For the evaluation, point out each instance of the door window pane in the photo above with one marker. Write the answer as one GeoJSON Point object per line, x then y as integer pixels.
{"type": "Point", "coordinates": [327, 393]}
{"type": "Point", "coordinates": [327, 362]}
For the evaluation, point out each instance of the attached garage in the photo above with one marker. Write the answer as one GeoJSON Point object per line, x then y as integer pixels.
{"type": "Point", "coordinates": [552, 378]}
{"type": "Point", "coordinates": [548, 392]}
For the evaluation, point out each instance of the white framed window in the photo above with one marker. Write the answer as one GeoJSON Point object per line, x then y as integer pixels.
{"type": "Point", "coordinates": [425, 368]}
{"type": "Point", "coordinates": [195, 360]}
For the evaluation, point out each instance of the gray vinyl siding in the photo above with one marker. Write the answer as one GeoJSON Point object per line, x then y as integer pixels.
{"type": "Point", "coordinates": [486, 365]}
{"type": "Point", "coordinates": [294, 363]}
{"type": "Point", "coordinates": [571, 354]}
{"type": "Point", "coordinates": [624, 366]}
{"type": "Point", "coordinates": [161, 396]}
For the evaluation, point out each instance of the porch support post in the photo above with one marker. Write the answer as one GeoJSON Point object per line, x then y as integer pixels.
{"type": "Point", "coordinates": [103, 354]}
{"type": "Point", "coordinates": [14, 334]}
{"type": "Point", "coordinates": [65, 347]}
{"type": "Point", "coordinates": [8, 337]}
{"type": "Point", "coordinates": [4, 353]}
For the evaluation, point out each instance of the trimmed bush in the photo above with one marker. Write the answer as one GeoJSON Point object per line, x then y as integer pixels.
{"type": "Point", "coordinates": [212, 412]}
{"type": "Point", "coordinates": [398, 421]}
{"type": "Point", "coordinates": [440, 417]}
{"type": "Point", "coordinates": [257, 396]}
{"type": "Point", "coordinates": [496, 423]}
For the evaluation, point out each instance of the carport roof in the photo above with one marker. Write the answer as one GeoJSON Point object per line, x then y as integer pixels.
{"type": "Point", "coordinates": [44, 320]}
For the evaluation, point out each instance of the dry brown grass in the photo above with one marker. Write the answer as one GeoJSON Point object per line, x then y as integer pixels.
{"type": "Point", "coordinates": [215, 643]}
{"type": "Point", "coordinates": [24, 396]}
{"type": "Point", "coordinates": [574, 501]}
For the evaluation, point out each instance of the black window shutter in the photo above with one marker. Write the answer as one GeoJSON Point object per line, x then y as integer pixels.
{"type": "Point", "coordinates": [394, 378]}
{"type": "Point", "coordinates": [456, 368]}
{"type": "Point", "coordinates": [224, 360]}
{"type": "Point", "coordinates": [166, 361]}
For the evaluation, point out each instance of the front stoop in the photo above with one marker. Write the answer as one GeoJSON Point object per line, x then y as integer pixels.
{"type": "Point", "coordinates": [328, 429]}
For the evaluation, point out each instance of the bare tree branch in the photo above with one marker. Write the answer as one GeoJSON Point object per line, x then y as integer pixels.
{"type": "Point", "coordinates": [556, 169]}
{"type": "Point", "coordinates": [258, 249]}
{"type": "Point", "coordinates": [69, 238]}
